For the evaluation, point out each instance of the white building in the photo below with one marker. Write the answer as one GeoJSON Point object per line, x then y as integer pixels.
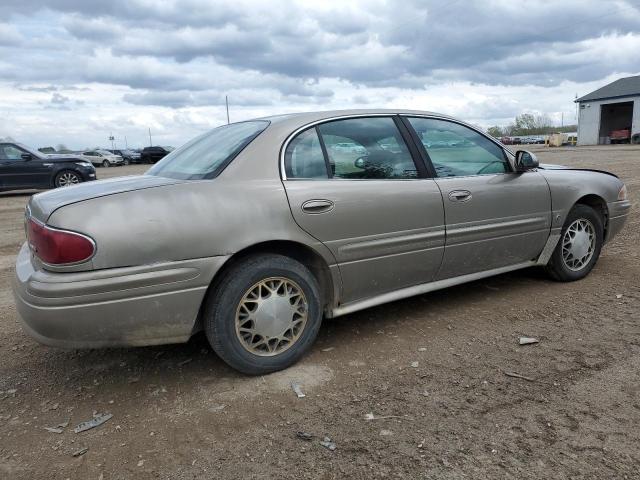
{"type": "Point", "coordinates": [613, 107]}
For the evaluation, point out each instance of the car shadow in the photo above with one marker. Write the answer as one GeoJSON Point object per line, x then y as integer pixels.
{"type": "Point", "coordinates": [20, 193]}
{"type": "Point", "coordinates": [390, 315]}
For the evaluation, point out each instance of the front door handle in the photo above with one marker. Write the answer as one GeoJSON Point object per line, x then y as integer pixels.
{"type": "Point", "coordinates": [317, 206]}
{"type": "Point", "coordinates": [460, 195]}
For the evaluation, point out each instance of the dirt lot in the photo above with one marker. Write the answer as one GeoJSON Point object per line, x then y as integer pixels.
{"type": "Point", "coordinates": [179, 412]}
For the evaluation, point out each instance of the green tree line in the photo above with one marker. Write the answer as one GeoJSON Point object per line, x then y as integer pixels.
{"type": "Point", "coordinates": [529, 124]}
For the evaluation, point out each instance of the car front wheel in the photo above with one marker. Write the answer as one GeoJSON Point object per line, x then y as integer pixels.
{"type": "Point", "coordinates": [579, 246]}
{"type": "Point", "coordinates": [66, 178]}
{"type": "Point", "coordinates": [106, 163]}
{"type": "Point", "coordinates": [264, 314]}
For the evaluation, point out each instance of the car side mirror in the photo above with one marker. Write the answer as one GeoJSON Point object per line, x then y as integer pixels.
{"type": "Point", "coordinates": [525, 161]}
{"type": "Point", "coordinates": [26, 157]}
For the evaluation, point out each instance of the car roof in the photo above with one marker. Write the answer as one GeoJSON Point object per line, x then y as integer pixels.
{"type": "Point", "coordinates": [293, 121]}
{"type": "Point", "coordinates": [308, 117]}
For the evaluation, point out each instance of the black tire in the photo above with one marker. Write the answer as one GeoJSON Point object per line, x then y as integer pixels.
{"type": "Point", "coordinates": [65, 176]}
{"type": "Point", "coordinates": [557, 268]}
{"type": "Point", "coordinates": [225, 297]}
{"type": "Point", "coordinates": [126, 161]}
{"type": "Point", "coordinates": [106, 163]}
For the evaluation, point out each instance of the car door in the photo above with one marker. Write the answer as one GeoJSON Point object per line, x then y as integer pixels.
{"type": "Point", "coordinates": [374, 209]}
{"type": "Point", "coordinates": [92, 157]}
{"type": "Point", "coordinates": [22, 169]}
{"type": "Point", "coordinates": [495, 217]}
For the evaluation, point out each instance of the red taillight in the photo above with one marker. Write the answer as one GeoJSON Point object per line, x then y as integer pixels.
{"type": "Point", "coordinates": [58, 247]}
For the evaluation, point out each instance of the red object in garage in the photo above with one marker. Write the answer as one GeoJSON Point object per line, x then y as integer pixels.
{"type": "Point", "coordinates": [619, 135]}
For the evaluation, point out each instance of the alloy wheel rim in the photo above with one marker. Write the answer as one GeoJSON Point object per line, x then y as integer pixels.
{"type": "Point", "coordinates": [67, 179]}
{"type": "Point", "coordinates": [578, 244]}
{"type": "Point", "coordinates": [271, 316]}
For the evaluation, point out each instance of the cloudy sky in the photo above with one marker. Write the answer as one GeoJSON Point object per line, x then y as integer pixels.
{"type": "Point", "coordinates": [73, 71]}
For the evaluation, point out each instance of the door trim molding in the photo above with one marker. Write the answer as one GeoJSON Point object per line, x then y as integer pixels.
{"type": "Point", "coordinates": [548, 249]}
{"type": "Point", "coordinates": [422, 288]}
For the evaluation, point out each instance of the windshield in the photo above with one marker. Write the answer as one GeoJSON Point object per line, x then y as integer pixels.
{"type": "Point", "coordinates": [104, 152]}
{"type": "Point", "coordinates": [206, 155]}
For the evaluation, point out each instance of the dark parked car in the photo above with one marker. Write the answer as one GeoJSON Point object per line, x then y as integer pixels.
{"type": "Point", "coordinates": [129, 156]}
{"type": "Point", "coordinates": [23, 168]}
{"type": "Point", "coordinates": [153, 154]}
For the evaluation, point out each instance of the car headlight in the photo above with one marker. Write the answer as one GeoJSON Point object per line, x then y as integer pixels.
{"type": "Point", "coordinates": [622, 194]}
{"type": "Point", "coordinates": [84, 164]}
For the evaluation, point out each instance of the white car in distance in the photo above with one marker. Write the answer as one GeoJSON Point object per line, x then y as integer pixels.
{"type": "Point", "coordinates": [103, 158]}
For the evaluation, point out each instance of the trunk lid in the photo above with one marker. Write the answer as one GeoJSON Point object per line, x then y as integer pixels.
{"type": "Point", "coordinates": [42, 205]}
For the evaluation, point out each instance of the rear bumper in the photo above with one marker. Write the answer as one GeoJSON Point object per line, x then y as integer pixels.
{"type": "Point", "coordinates": [132, 306]}
{"type": "Point", "coordinates": [618, 213]}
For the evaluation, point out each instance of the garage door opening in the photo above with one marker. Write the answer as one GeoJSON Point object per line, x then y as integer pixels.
{"type": "Point", "coordinates": [615, 122]}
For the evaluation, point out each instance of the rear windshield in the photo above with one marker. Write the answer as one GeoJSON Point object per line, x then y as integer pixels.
{"type": "Point", "coordinates": [205, 156]}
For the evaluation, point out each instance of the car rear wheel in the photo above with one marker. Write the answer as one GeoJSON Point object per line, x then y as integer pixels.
{"type": "Point", "coordinates": [106, 163]}
{"type": "Point", "coordinates": [264, 314]}
{"type": "Point", "coordinates": [579, 246]}
{"type": "Point", "coordinates": [66, 178]}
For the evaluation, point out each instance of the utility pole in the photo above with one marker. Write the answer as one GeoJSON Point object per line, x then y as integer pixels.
{"type": "Point", "coordinates": [126, 145]}
{"type": "Point", "coordinates": [150, 143]}
{"type": "Point", "coordinates": [111, 137]}
{"type": "Point", "coordinates": [226, 101]}
{"type": "Point", "coordinates": [562, 120]}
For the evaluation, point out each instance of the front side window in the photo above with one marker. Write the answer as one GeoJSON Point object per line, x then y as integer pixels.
{"type": "Point", "coordinates": [303, 157]}
{"type": "Point", "coordinates": [456, 150]}
{"type": "Point", "coordinates": [10, 152]}
{"type": "Point", "coordinates": [367, 148]}
{"type": "Point", "coordinates": [204, 156]}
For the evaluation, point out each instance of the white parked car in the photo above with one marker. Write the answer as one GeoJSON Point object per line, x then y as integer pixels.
{"type": "Point", "coordinates": [103, 158]}
{"type": "Point", "coordinates": [348, 147]}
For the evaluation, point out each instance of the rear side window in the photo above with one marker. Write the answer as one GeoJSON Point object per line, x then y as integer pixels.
{"type": "Point", "coordinates": [303, 157]}
{"type": "Point", "coordinates": [206, 155]}
{"type": "Point", "coordinates": [367, 148]}
{"type": "Point", "coordinates": [354, 148]}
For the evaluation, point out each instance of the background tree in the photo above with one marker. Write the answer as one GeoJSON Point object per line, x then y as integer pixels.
{"type": "Point", "coordinates": [529, 124]}
{"type": "Point", "coordinates": [495, 131]}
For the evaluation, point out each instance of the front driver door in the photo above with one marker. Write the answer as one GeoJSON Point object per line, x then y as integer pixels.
{"type": "Point", "coordinates": [494, 216]}
{"type": "Point", "coordinates": [16, 171]}
{"type": "Point", "coordinates": [353, 185]}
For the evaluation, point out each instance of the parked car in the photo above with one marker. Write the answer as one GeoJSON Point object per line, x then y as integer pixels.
{"type": "Point", "coordinates": [128, 156]}
{"type": "Point", "coordinates": [621, 136]}
{"type": "Point", "coordinates": [153, 154]}
{"type": "Point", "coordinates": [255, 231]}
{"type": "Point", "coordinates": [103, 158]}
{"type": "Point", "coordinates": [24, 168]}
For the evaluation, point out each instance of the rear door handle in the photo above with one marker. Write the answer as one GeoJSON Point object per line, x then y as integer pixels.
{"type": "Point", "coordinates": [317, 206]}
{"type": "Point", "coordinates": [460, 195]}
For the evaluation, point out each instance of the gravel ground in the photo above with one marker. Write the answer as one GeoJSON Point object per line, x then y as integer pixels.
{"type": "Point", "coordinates": [430, 369]}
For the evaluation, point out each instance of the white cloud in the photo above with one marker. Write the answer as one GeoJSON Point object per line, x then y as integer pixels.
{"type": "Point", "coordinates": [75, 71]}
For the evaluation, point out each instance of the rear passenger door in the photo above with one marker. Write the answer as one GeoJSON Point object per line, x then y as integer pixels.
{"type": "Point", "coordinates": [495, 217]}
{"type": "Point", "coordinates": [354, 185]}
